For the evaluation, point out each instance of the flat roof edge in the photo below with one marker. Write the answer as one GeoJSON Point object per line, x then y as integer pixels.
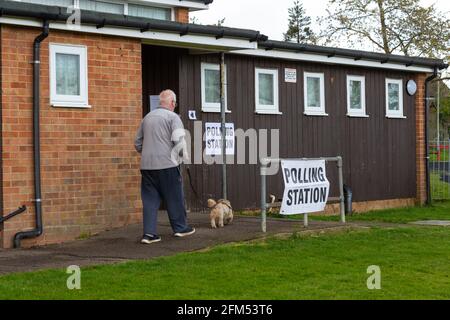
{"type": "Point", "coordinates": [353, 54]}
{"type": "Point", "coordinates": [323, 59]}
{"type": "Point", "coordinates": [58, 14]}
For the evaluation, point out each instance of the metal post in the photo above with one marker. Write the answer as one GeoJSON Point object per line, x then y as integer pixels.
{"type": "Point", "coordinates": [305, 220]}
{"type": "Point", "coordinates": [341, 189]}
{"type": "Point", "coordinates": [438, 136]}
{"type": "Point", "coordinates": [263, 170]}
{"type": "Point", "coordinates": [223, 120]}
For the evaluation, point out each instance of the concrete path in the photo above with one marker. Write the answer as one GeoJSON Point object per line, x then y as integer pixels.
{"type": "Point", "coordinates": [123, 244]}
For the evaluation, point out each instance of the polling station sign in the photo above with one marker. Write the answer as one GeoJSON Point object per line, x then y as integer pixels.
{"type": "Point", "coordinates": [213, 138]}
{"type": "Point", "coordinates": [306, 187]}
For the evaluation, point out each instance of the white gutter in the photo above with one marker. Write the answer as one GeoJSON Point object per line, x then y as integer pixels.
{"type": "Point", "coordinates": [289, 55]}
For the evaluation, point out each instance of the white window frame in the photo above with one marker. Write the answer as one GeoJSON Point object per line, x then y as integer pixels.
{"type": "Point", "coordinates": [74, 101]}
{"type": "Point", "coordinates": [314, 111]}
{"type": "Point", "coordinates": [262, 108]}
{"type": "Point", "coordinates": [210, 106]}
{"type": "Point", "coordinates": [361, 113]}
{"type": "Point", "coordinates": [390, 113]}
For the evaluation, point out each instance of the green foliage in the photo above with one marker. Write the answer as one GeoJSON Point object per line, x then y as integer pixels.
{"type": "Point", "coordinates": [390, 25]}
{"type": "Point", "coordinates": [194, 20]}
{"type": "Point", "coordinates": [444, 110]}
{"type": "Point", "coordinates": [299, 28]}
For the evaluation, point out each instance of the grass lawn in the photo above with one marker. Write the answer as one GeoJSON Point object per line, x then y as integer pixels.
{"type": "Point", "coordinates": [440, 210]}
{"type": "Point", "coordinates": [439, 189]}
{"type": "Point", "coordinates": [414, 264]}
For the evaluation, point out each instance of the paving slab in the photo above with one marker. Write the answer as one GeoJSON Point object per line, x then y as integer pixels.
{"type": "Point", "coordinates": [437, 223]}
{"type": "Point", "coordinates": [122, 244]}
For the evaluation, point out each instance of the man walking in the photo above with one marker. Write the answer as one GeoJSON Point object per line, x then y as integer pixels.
{"type": "Point", "coordinates": [159, 137]}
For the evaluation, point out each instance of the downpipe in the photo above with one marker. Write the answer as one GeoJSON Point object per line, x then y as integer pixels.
{"type": "Point", "coordinates": [427, 154]}
{"type": "Point", "coordinates": [36, 139]}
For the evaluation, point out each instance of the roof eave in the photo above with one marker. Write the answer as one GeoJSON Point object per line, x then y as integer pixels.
{"type": "Point", "coordinates": [354, 54]}
{"type": "Point", "coordinates": [59, 14]}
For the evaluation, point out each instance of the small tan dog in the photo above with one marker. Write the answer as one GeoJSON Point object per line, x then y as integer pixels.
{"type": "Point", "coordinates": [221, 213]}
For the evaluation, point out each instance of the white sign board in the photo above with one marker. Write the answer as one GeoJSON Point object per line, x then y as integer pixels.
{"type": "Point", "coordinates": [290, 75]}
{"type": "Point", "coordinates": [306, 186]}
{"type": "Point", "coordinates": [213, 138]}
{"type": "Point", "coordinates": [154, 102]}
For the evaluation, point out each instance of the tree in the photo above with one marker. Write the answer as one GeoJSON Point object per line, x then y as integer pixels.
{"type": "Point", "coordinates": [220, 22]}
{"type": "Point", "coordinates": [299, 29]}
{"type": "Point", "coordinates": [194, 20]}
{"type": "Point", "coordinates": [444, 102]}
{"type": "Point", "coordinates": [392, 26]}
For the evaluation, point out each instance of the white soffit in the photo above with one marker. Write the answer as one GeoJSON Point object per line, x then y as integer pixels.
{"type": "Point", "coordinates": [288, 55]}
{"type": "Point", "coordinates": [193, 41]}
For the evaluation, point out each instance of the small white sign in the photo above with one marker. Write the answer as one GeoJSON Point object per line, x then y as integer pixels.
{"type": "Point", "coordinates": [213, 138]}
{"type": "Point", "coordinates": [306, 186]}
{"type": "Point", "coordinates": [192, 115]}
{"type": "Point", "coordinates": [290, 75]}
{"type": "Point", "coordinates": [154, 102]}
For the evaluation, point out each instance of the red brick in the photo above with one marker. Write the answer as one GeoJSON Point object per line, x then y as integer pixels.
{"type": "Point", "coordinates": [182, 15]}
{"type": "Point", "coordinates": [77, 146]}
{"type": "Point", "coordinates": [420, 141]}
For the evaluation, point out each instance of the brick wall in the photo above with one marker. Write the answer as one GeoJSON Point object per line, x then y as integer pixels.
{"type": "Point", "coordinates": [366, 206]}
{"type": "Point", "coordinates": [420, 140]}
{"type": "Point", "coordinates": [182, 15]}
{"type": "Point", "coordinates": [90, 171]}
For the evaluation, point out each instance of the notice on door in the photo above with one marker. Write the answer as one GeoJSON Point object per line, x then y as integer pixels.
{"type": "Point", "coordinates": [306, 187]}
{"type": "Point", "coordinates": [154, 102]}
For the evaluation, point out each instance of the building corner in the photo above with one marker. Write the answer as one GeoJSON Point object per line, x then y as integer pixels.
{"type": "Point", "coordinates": [421, 183]}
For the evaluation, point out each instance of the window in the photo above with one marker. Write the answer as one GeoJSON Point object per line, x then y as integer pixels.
{"type": "Point", "coordinates": [102, 6]}
{"type": "Point", "coordinates": [210, 78]}
{"type": "Point", "coordinates": [394, 98]}
{"type": "Point", "coordinates": [356, 96]}
{"type": "Point", "coordinates": [113, 7]}
{"type": "Point", "coordinates": [68, 76]}
{"type": "Point", "coordinates": [60, 3]}
{"type": "Point", "coordinates": [266, 89]}
{"type": "Point", "coordinates": [149, 12]}
{"type": "Point", "coordinates": [314, 94]}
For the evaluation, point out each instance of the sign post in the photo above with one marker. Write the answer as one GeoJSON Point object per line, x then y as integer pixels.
{"type": "Point", "coordinates": [306, 187]}
{"type": "Point", "coordinates": [215, 138]}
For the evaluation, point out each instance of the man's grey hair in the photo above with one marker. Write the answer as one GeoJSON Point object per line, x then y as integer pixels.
{"type": "Point", "coordinates": [166, 97]}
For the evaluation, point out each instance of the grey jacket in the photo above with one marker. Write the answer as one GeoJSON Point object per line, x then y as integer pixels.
{"type": "Point", "coordinates": [160, 140]}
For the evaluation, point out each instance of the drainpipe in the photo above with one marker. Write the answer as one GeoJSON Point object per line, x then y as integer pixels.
{"type": "Point", "coordinates": [36, 139]}
{"type": "Point", "coordinates": [427, 155]}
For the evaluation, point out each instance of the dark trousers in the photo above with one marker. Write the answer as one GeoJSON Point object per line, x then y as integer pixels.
{"type": "Point", "coordinates": [164, 185]}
